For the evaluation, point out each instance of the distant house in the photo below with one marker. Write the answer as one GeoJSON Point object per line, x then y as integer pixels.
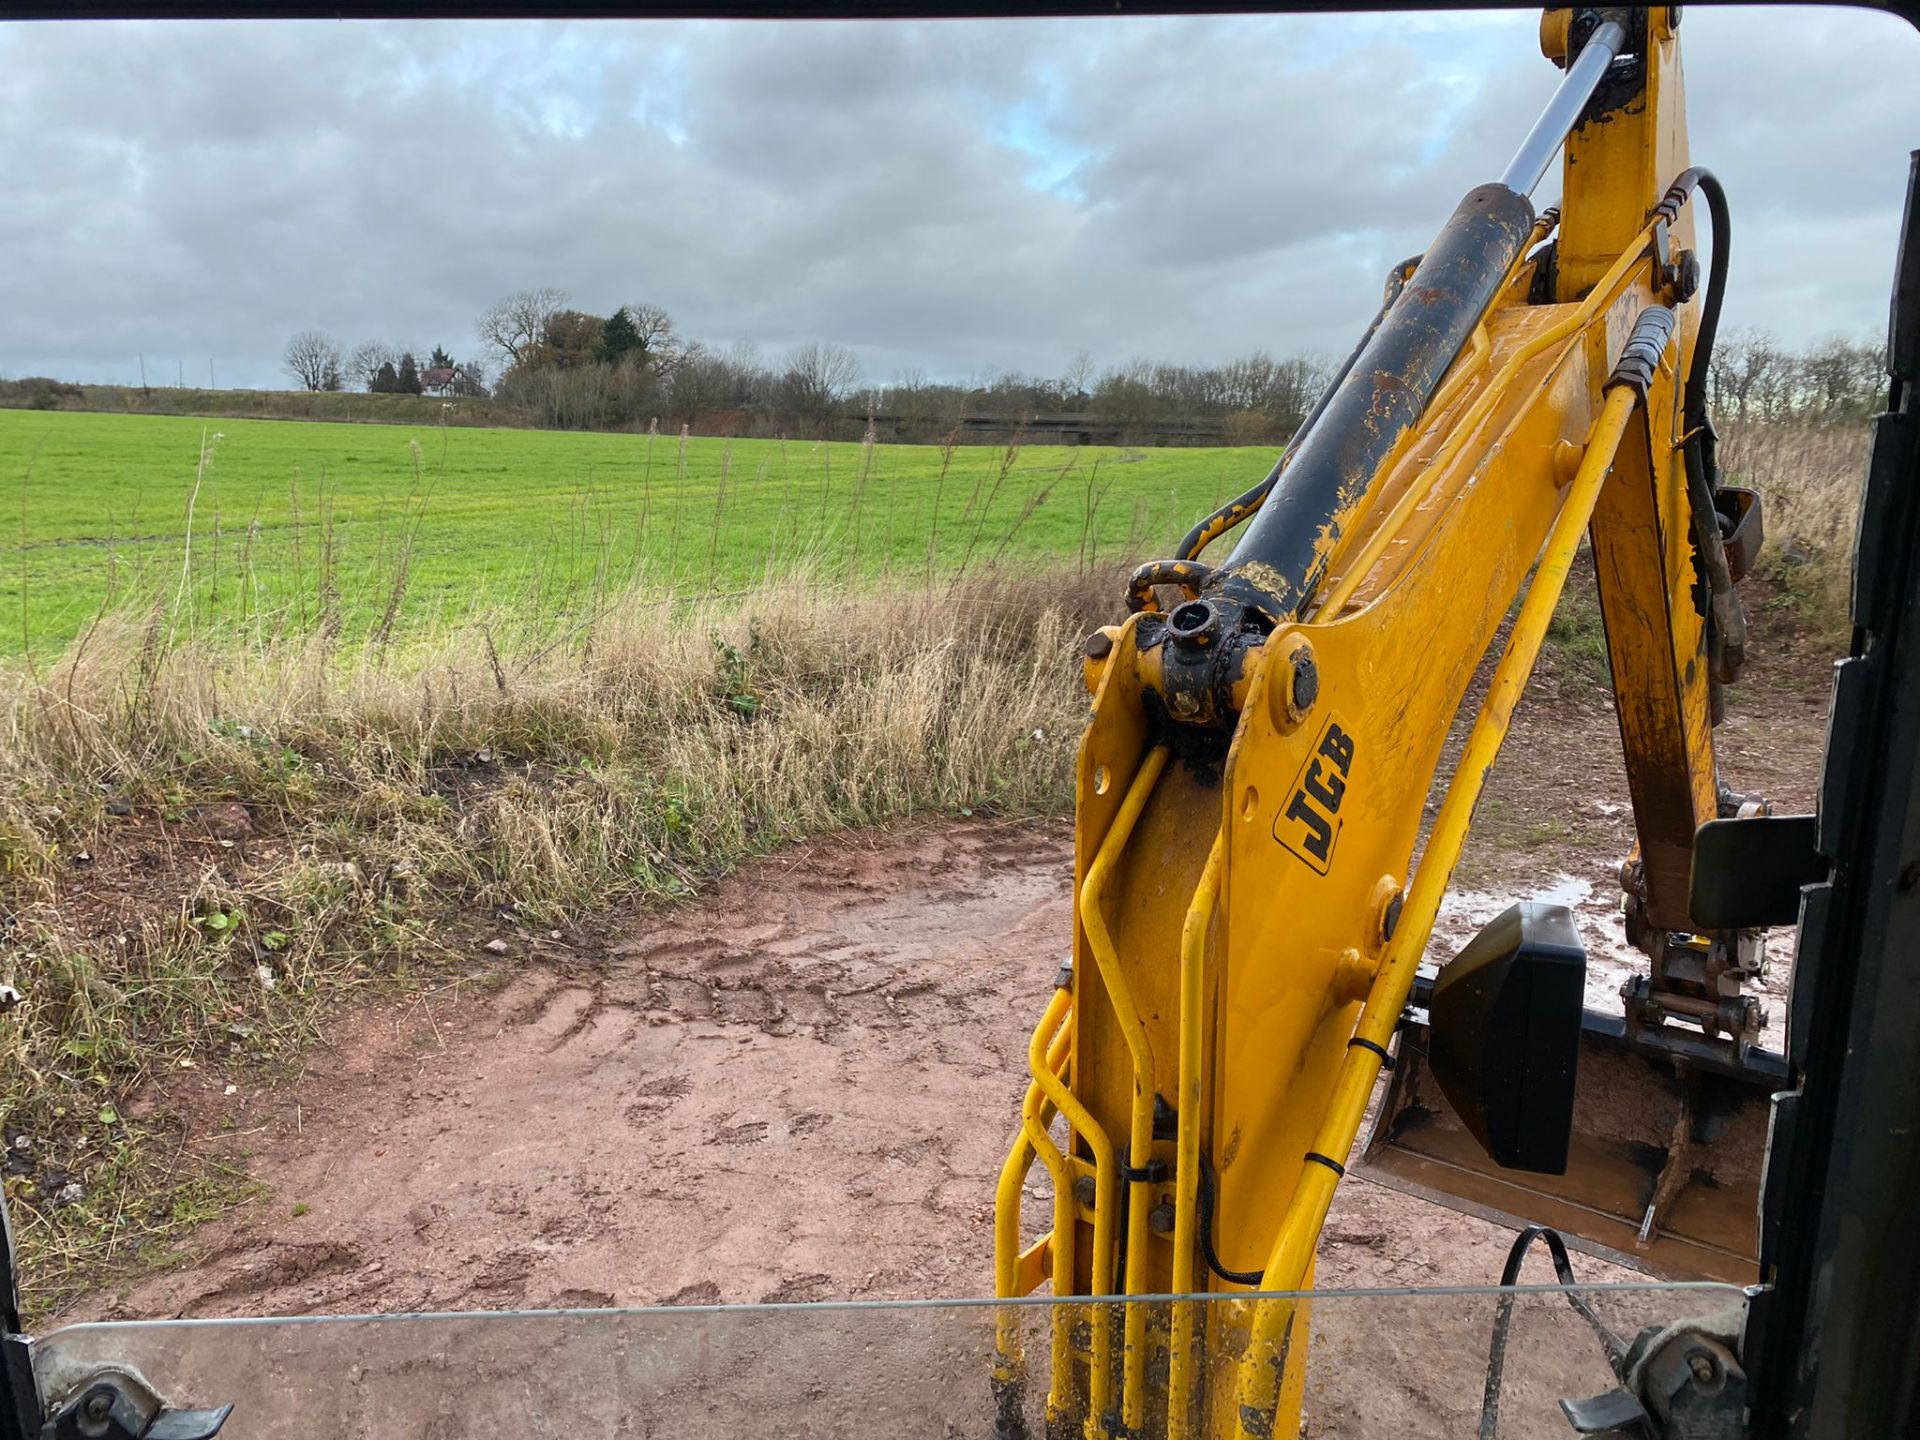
{"type": "Point", "coordinates": [439, 380]}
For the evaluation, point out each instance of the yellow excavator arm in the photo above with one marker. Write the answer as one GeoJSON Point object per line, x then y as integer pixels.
{"type": "Point", "coordinates": [1266, 730]}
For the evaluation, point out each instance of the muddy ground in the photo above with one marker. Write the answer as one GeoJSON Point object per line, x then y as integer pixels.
{"type": "Point", "coordinates": [800, 1086]}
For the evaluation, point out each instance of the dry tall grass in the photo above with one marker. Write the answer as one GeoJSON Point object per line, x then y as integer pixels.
{"type": "Point", "coordinates": [394, 793]}
{"type": "Point", "coordinates": [1810, 478]}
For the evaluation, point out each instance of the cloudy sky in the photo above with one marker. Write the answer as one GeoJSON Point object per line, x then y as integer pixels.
{"type": "Point", "coordinates": [954, 195]}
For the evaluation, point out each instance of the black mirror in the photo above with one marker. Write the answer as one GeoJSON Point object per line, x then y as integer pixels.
{"type": "Point", "coordinates": [1505, 1035]}
{"type": "Point", "coordinates": [1749, 873]}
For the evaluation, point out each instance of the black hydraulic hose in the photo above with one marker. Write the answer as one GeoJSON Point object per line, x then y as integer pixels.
{"type": "Point", "coordinates": [1708, 184]}
{"type": "Point", "coordinates": [1250, 1278]}
{"type": "Point", "coordinates": [1699, 450]}
{"type": "Point", "coordinates": [1503, 1320]}
{"type": "Point", "coordinates": [1238, 509]}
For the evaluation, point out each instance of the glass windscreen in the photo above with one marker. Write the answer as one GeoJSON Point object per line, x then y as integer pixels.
{"type": "Point", "coordinates": [1400, 1363]}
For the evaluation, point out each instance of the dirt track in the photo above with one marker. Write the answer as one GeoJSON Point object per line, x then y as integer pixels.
{"type": "Point", "coordinates": [799, 1087]}
{"type": "Point", "coordinates": [797, 1090]}
{"type": "Point", "coordinates": [787, 1092]}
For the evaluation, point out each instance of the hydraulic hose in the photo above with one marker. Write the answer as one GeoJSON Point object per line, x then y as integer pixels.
{"type": "Point", "coordinates": [1503, 1320]}
{"type": "Point", "coordinates": [1699, 450]}
{"type": "Point", "coordinates": [1708, 184]}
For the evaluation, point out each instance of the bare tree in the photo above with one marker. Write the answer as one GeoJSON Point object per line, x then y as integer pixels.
{"type": "Point", "coordinates": [1126, 397]}
{"type": "Point", "coordinates": [1077, 379]}
{"type": "Point", "coordinates": [365, 361]}
{"type": "Point", "coordinates": [911, 399]}
{"type": "Point", "coordinates": [701, 383]}
{"type": "Point", "coordinates": [817, 379]}
{"type": "Point", "coordinates": [309, 358]}
{"type": "Point", "coordinates": [1247, 383]}
{"type": "Point", "coordinates": [1842, 378]}
{"type": "Point", "coordinates": [660, 343]}
{"type": "Point", "coordinates": [1297, 383]}
{"type": "Point", "coordinates": [470, 380]}
{"type": "Point", "coordinates": [515, 324]}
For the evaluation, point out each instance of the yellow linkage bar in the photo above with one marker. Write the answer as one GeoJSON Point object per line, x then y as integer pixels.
{"type": "Point", "coordinates": [1193, 956]}
{"type": "Point", "coordinates": [1140, 1139]}
{"type": "Point", "coordinates": [1054, 1033]}
{"type": "Point", "coordinates": [1293, 1248]}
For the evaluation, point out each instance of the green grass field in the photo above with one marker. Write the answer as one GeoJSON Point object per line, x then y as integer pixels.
{"type": "Point", "coordinates": [290, 526]}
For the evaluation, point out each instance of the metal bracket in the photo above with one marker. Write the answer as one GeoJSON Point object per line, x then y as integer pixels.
{"type": "Point", "coordinates": [1611, 1413]}
{"type": "Point", "coordinates": [114, 1404]}
{"type": "Point", "coordinates": [1681, 1383]}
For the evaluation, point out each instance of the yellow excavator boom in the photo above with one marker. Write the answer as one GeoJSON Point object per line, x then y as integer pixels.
{"type": "Point", "coordinates": [1251, 917]}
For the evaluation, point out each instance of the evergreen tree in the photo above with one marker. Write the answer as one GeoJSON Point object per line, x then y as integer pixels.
{"type": "Point", "coordinates": [618, 337]}
{"type": "Point", "coordinates": [330, 378]}
{"type": "Point", "coordinates": [408, 380]}
{"type": "Point", "coordinates": [386, 379]}
{"type": "Point", "coordinates": [441, 360]}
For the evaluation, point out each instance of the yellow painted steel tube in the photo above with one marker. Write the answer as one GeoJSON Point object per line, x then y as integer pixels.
{"type": "Point", "coordinates": [1140, 1138]}
{"type": "Point", "coordinates": [1013, 1174]}
{"type": "Point", "coordinates": [1602, 295]}
{"type": "Point", "coordinates": [1100, 1270]}
{"type": "Point", "coordinates": [1056, 1029]}
{"type": "Point", "coordinates": [1186, 1177]}
{"type": "Point", "coordinates": [1479, 346]}
{"type": "Point", "coordinates": [1035, 1115]}
{"type": "Point", "coordinates": [1299, 1233]}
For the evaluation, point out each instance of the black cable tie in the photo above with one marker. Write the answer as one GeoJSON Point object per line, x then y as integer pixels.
{"type": "Point", "coordinates": [1334, 1165]}
{"type": "Point", "coordinates": [1154, 1172]}
{"type": "Point", "coordinates": [1386, 1060]}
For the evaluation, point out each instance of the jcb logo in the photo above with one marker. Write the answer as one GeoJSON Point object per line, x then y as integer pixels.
{"type": "Point", "coordinates": [1309, 826]}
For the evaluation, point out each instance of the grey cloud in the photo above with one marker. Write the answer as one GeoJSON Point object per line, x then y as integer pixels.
{"type": "Point", "coordinates": [203, 190]}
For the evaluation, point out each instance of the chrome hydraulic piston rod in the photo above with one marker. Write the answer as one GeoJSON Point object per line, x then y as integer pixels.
{"type": "Point", "coordinates": [1556, 122]}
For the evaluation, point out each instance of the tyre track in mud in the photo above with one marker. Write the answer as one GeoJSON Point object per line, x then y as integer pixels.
{"type": "Point", "coordinates": [799, 1088]}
